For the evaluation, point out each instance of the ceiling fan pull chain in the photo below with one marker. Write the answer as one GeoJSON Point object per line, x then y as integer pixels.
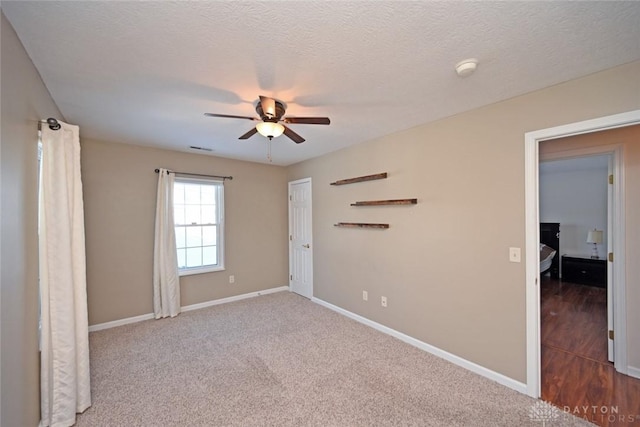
{"type": "Point", "coordinates": [269, 151]}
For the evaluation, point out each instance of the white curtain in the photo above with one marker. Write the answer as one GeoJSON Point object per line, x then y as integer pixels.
{"type": "Point", "coordinates": [64, 358]}
{"type": "Point", "coordinates": [166, 285]}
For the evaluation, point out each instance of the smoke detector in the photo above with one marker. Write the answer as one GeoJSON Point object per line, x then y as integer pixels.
{"type": "Point", "coordinates": [466, 67]}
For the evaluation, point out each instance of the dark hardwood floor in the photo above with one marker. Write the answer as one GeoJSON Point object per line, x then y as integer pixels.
{"type": "Point", "coordinates": [576, 375]}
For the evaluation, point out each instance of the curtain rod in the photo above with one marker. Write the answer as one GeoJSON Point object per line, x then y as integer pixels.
{"type": "Point", "coordinates": [53, 124]}
{"type": "Point", "coordinates": [198, 174]}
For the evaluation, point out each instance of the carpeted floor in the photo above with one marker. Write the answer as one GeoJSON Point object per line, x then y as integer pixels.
{"type": "Point", "coordinates": [281, 360]}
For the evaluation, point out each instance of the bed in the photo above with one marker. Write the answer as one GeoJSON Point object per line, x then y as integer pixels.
{"type": "Point", "coordinates": [549, 246]}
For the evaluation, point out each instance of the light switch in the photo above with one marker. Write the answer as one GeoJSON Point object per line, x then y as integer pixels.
{"type": "Point", "coordinates": [514, 254]}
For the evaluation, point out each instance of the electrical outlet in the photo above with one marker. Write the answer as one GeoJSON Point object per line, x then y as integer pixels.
{"type": "Point", "coordinates": [514, 254]}
{"type": "Point", "coordinates": [383, 301]}
{"type": "Point", "coordinates": [365, 296]}
{"type": "Point", "coordinates": [232, 279]}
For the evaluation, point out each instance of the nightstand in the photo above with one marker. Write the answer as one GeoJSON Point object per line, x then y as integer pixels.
{"type": "Point", "coordinates": [584, 269]}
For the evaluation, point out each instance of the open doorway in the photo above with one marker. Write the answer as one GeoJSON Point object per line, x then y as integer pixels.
{"type": "Point", "coordinates": [618, 269]}
{"type": "Point", "coordinates": [574, 195]}
{"type": "Point", "coordinates": [615, 389]}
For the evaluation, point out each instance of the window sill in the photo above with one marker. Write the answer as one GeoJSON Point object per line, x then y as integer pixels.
{"type": "Point", "coordinates": [199, 270]}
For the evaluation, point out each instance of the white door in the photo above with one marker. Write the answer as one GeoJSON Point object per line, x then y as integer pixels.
{"type": "Point", "coordinates": [300, 238]}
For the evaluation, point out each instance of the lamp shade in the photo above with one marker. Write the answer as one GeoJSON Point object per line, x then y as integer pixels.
{"type": "Point", "coordinates": [270, 129]}
{"type": "Point", "coordinates": [594, 236]}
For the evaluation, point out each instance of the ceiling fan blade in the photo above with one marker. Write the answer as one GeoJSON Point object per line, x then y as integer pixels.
{"type": "Point", "coordinates": [249, 134]}
{"type": "Point", "coordinates": [229, 116]}
{"type": "Point", "coordinates": [293, 136]}
{"type": "Point", "coordinates": [308, 120]}
{"type": "Point", "coordinates": [268, 106]}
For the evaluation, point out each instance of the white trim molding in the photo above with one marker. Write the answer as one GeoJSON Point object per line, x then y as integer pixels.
{"type": "Point", "coordinates": [149, 316]}
{"type": "Point", "coordinates": [450, 357]}
{"type": "Point", "coordinates": [120, 322]}
{"type": "Point", "coordinates": [634, 372]}
{"type": "Point", "coordinates": [233, 298]}
{"type": "Point", "coordinates": [532, 237]}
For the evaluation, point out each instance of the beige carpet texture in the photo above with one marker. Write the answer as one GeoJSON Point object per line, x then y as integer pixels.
{"type": "Point", "coordinates": [282, 360]}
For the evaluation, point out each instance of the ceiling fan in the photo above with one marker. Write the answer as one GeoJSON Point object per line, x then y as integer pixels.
{"type": "Point", "coordinates": [271, 112]}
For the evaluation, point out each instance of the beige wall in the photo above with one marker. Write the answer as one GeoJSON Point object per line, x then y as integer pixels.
{"type": "Point", "coordinates": [119, 195]}
{"type": "Point", "coordinates": [25, 100]}
{"type": "Point", "coordinates": [629, 139]}
{"type": "Point", "coordinates": [443, 264]}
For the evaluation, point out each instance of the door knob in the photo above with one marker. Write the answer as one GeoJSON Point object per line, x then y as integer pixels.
{"type": "Point", "coordinates": [306, 246]}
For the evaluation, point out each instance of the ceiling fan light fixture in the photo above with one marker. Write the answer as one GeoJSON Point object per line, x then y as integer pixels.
{"type": "Point", "coordinates": [270, 129]}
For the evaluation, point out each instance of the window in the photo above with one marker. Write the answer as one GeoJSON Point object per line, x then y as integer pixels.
{"type": "Point", "coordinates": [199, 224]}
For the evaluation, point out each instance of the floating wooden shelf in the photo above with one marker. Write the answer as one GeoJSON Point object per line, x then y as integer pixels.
{"type": "Point", "coordinates": [360, 179]}
{"type": "Point", "coordinates": [360, 225]}
{"type": "Point", "coordinates": [386, 202]}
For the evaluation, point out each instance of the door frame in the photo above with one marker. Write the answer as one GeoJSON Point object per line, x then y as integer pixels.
{"type": "Point", "coordinates": [611, 167]}
{"type": "Point", "coordinates": [289, 186]}
{"type": "Point", "coordinates": [532, 236]}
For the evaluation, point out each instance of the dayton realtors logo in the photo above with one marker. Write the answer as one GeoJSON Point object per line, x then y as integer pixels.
{"type": "Point", "coordinates": [543, 412]}
{"type": "Point", "coordinates": [546, 413]}
{"type": "Point", "coordinates": [601, 414]}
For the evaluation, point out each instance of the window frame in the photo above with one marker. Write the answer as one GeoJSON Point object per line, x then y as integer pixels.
{"type": "Point", "coordinates": [219, 184]}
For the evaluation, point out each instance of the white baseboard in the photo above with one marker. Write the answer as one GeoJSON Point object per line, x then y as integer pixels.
{"type": "Point", "coordinates": [456, 360]}
{"type": "Point", "coordinates": [120, 322]}
{"type": "Point", "coordinates": [149, 316]}
{"type": "Point", "coordinates": [233, 298]}
{"type": "Point", "coordinates": [633, 372]}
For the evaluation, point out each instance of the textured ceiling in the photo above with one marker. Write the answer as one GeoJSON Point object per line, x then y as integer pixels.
{"type": "Point", "coordinates": [145, 72]}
